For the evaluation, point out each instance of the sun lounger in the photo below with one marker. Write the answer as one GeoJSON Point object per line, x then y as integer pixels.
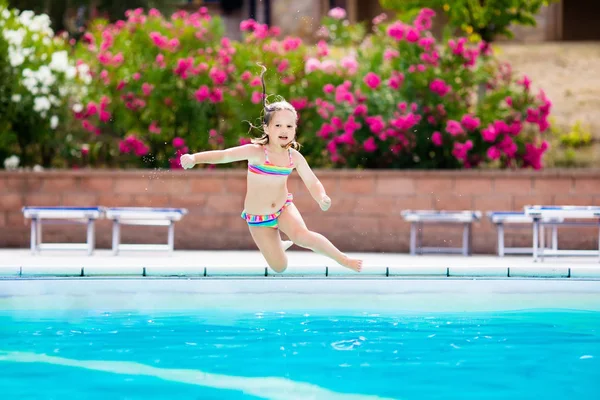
{"type": "Point", "coordinates": [571, 215]}
{"type": "Point", "coordinates": [144, 216]}
{"type": "Point", "coordinates": [418, 218]}
{"type": "Point", "coordinates": [61, 215]}
{"type": "Point", "coordinates": [505, 219]}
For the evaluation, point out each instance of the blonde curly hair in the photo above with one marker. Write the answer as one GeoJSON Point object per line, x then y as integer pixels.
{"type": "Point", "coordinates": [269, 110]}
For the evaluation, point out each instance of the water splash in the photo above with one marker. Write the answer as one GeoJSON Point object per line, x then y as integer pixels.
{"type": "Point", "coordinates": [273, 388]}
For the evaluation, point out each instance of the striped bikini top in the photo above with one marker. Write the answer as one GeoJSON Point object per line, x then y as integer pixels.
{"type": "Point", "coordinates": [270, 169]}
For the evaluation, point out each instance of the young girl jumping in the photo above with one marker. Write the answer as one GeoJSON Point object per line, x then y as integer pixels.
{"type": "Point", "coordinates": [269, 207]}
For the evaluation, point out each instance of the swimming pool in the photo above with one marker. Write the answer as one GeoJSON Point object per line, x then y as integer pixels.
{"type": "Point", "coordinates": [299, 339]}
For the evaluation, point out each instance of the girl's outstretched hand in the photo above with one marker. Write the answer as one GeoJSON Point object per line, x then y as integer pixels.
{"type": "Point", "coordinates": [187, 161]}
{"type": "Point", "coordinates": [325, 203]}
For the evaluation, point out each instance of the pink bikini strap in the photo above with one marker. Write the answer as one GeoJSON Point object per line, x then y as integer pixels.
{"type": "Point", "coordinates": [266, 155]}
{"type": "Point", "coordinates": [290, 153]}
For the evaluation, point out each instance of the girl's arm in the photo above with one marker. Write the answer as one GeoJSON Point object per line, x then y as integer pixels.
{"type": "Point", "coordinates": [232, 154]}
{"type": "Point", "coordinates": [313, 184]}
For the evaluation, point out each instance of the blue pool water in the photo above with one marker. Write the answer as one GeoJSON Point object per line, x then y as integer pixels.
{"type": "Point", "coordinates": [280, 355]}
{"type": "Point", "coordinates": [299, 339]}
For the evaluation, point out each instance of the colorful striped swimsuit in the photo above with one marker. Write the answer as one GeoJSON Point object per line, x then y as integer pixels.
{"type": "Point", "coordinates": [269, 220]}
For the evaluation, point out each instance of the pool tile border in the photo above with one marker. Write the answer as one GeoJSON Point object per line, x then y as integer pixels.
{"type": "Point", "coordinates": [314, 271]}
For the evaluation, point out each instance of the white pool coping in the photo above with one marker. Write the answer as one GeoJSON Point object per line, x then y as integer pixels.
{"type": "Point", "coordinates": [20, 263]}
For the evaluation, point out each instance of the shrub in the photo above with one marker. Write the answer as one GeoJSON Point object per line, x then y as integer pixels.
{"type": "Point", "coordinates": [36, 83]}
{"type": "Point", "coordinates": [415, 103]}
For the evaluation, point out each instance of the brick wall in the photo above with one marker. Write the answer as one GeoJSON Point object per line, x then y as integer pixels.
{"type": "Point", "coordinates": [365, 214]}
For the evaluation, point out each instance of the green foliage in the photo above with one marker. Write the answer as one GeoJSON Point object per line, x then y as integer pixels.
{"type": "Point", "coordinates": [486, 18]}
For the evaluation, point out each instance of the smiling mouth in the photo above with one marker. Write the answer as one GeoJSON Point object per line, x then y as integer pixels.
{"type": "Point", "coordinates": [283, 137]}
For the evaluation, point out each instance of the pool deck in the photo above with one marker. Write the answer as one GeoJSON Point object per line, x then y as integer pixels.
{"type": "Point", "coordinates": [20, 263]}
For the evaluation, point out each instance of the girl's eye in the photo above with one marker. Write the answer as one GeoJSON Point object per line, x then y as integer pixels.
{"type": "Point", "coordinates": [277, 125]}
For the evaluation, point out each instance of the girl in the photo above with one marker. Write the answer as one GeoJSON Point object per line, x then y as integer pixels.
{"type": "Point", "coordinates": [269, 207]}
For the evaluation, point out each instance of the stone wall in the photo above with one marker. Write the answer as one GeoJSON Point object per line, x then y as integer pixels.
{"type": "Point", "coordinates": [365, 214]}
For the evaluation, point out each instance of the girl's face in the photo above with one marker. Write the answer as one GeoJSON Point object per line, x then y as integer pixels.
{"type": "Point", "coordinates": [282, 128]}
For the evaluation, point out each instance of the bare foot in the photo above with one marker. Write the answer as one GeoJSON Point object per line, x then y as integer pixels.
{"type": "Point", "coordinates": [286, 244]}
{"type": "Point", "coordinates": [352, 263]}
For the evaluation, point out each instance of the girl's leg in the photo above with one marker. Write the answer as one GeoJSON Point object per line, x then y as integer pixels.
{"type": "Point", "coordinates": [292, 224]}
{"type": "Point", "coordinates": [268, 241]}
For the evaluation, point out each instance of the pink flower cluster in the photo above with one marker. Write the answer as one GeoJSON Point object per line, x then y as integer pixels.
{"type": "Point", "coordinates": [133, 145]}
{"type": "Point", "coordinates": [93, 109]}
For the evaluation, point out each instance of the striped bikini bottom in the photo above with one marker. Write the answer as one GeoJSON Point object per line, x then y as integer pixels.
{"type": "Point", "coordinates": [269, 220]}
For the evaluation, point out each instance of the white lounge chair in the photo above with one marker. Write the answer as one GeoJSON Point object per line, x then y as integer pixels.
{"type": "Point", "coordinates": [418, 218]}
{"type": "Point", "coordinates": [143, 216]}
{"type": "Point", "coordinates": [62, 215]}
{"type": "Point", "coordinates": [543, 215]}
{"type": "Point", "coordinates": [518, 219]}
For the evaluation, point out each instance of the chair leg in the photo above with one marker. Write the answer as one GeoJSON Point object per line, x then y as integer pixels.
{"type": "Point", "coordinates": [90, 237]}
{"type": "Point", "coordinates": [465, 239]}
{"type": "Point", "coordinates": [413, 238]}
{"type": "Point", "coordinates": [536, 225]}
{"type": "Point", "coordinates": [542, 241]}
{"type": "Point", "coordinates": [171, 236]}
{"type": "Point", "coordinates": [38, 235]}
{"type": "Point", "coordinates": [116, 239]}
{"type": "Point", "coordinates": [33, 238]}
{"type": "Point", "coordinates": [500, 239]}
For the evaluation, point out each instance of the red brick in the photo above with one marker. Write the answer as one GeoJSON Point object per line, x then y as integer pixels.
{"type": "Point", "coordinates": [532, 200]}
{"type": "Point", "coordinates": [375, 205]}
{"type": "Point", "coordinates": [207, 185]}
{"type": "Point", "coordinates": [62, 184]}
{"type": "Point", "coordinates": [572, 200]}
{"type": "Point", "coordinates": [151, 200]}
{"type": "Point", "coordinates": [97, 184]}
{"type": "Point", "coordinates": [541, 185]}
{"type": "Point", "coordinates": [587, 186]}
{"type": "Point", "coordinates": [452, 202]}
{"type": "Point", "coordinates": [513, 186]}
{"type": "Point", "coordinates": [357, 185]}
{"type": "Point", "coordinates": [224, 204]}
{"type": "Point", "coordinates": [495, 202]}
{"type": "Point", "coordinates": [189, 201]}
{"type": "Point", "coordinates": [434, 185]}
{"type": "Point", "coordinates": [393, 224]}
{"type": "Point", "coordinates": [395, 186]}
{"type": "Point", "coordinates": [357, 224]}
{"type": "Point", "coordinates": [169, 185]}
{"type": "Point", "coordinates": [15, 219]}
{"type": "Point", "coordinates": [414, 202]}
{"type": "Point", "coordinates": [342, 205]}
{"type": "Point", "coordinates": [131, 186]}
{"type": "Point", "coordinates": [472, 186]}
{"type": "Point", "coordinates": [80, 200]}
{"type": "Point", "coordinates": [115, 200]}
{"type": "Point", "coordinates": [34, 183]}
{"type": "Point", "coordinates": [14, 185]}
{"type": "Point", "coordinates": [34, 199]}
{"type": "Point", "coordinates": [11, 202]}
{"type": "Point", "coordinates": [235, 186]}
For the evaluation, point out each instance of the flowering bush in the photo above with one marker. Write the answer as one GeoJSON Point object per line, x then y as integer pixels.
{"type": "Point", "coordinates": [35, 88]}
{"type": "Point", "coordinates": [155, 87]}
{"type": "Point", "coordinates": [423, 107]}
{"type": "Point", "coordinates": [159, 85]}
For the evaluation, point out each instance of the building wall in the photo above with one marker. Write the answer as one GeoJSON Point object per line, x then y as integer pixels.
{"type": "Point", "coordinates": [365, 214]}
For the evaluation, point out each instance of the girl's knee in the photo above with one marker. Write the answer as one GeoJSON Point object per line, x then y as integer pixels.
{"type": "Point", "coordinates": [300, 236]}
